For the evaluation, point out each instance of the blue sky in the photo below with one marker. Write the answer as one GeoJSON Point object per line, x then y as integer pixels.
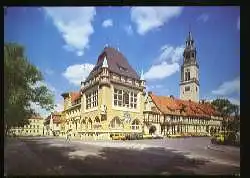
{"type": "Point", "coordinates": [64, 44]}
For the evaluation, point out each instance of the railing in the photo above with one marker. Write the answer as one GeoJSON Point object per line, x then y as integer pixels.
{"type": "Point", "coordinates": [126, 83]}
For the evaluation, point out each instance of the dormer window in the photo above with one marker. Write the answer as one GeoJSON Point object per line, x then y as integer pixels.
{"type": "Point", "coordinates": [122, 68]}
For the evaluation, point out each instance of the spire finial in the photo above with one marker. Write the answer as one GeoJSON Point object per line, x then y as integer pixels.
{"type": "Point", "coordinates": [105, 62]}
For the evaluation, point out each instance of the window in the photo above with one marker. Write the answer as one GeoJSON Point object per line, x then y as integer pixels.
{"type": "Point", "coordinates": [92, 99]}
{"type": "Point", "coordinates": [38, 126]}
{"type": "Point", "coordinates": [37, 131]}
{"type": "Point", "coordinates": [95, 98]}
{"type": "Point", "coordinates": [117, 97]}
{"type": "Point", "coordinates": [196, 88]}
{"type": "Point", "coordinates": [88, 101]}
{"type": "Point", "coordinates": [187, 88]}
{"type": "Point", "coordinates": [125, 98]}
{"type": "Point", "coordinates": [133, 100]}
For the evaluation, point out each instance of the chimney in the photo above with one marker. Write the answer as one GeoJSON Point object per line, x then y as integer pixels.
{"type": "Point", "coordinates": [172, 96]}
{"type": "Point", "coordinates": [203, 101]}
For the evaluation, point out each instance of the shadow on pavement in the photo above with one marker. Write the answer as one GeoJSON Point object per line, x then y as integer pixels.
{"type": "Point", "coordinates": [56, 161]}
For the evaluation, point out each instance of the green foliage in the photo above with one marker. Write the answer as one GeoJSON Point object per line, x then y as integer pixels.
{"type": "Point", "coordinates": [20, 90]}
{"type": "Point", "coordinates": [223, 106]}
{"type": "Point", "coordinates": [227, 109]}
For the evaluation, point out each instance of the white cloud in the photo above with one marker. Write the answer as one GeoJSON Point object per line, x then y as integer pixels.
{"type": "Point", "coordinates": [161, 71]}
{"type": "Point", "coordinates": [59, 107]}
{"type": "Point", "coordinates": [228, 88]}
{"type": "Point", "coordinates": [238, 23]}
{"type": "Point", "coordinates": [203, 17]}
{"type": "Point", "coordinates": [167, 63]}
{"type": "Point", "coordinates": [149, 87]}
{"type": "Point", "coordinates": [77, 73]}
{"type": "Point", "coordinates": [107, 23]}
{"type": "Point", "coordinates": [74, 23]}
{"type": "Point", "coordinates": [128, 29]}
{"type": "Point", "coordinates": [170, 53]}
{"type": "Point", "coordinates": [149, 18]}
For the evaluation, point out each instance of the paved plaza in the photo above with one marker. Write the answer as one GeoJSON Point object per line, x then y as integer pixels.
{"type": "Point", "coordinates": [53, 156]}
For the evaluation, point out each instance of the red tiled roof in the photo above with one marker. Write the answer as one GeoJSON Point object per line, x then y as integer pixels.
{"type": "Point", "coordinates": [36, 117]}
{"type": "Point", "coordinates": [55, 116]}
{"type": "Point", "coordinates": [75, 96]}
{"type": "Point", "coordinates": [170, 105]}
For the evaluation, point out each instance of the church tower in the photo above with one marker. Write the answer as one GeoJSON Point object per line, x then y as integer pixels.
{"type": "Point", "coordinates": [189, 84]}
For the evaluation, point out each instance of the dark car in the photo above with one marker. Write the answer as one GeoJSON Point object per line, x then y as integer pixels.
{"type": "Point", "coordinates": [134, 136]}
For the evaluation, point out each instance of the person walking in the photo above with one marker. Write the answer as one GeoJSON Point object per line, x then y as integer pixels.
{"type": "Point", "coordinates": [67, 137]}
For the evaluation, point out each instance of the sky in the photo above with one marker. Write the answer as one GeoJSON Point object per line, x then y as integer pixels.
{"type": "Point", "coordinates": [65, 42]}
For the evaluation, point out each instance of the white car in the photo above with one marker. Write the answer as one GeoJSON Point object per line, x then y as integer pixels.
{"type": "Point", "coordinates": [157, 136]}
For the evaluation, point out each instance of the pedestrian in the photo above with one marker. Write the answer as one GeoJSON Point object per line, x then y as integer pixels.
{"type": "Point", "coordinates": [67, 137]}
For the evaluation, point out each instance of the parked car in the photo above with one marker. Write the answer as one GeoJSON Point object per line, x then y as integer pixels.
{"type": "Point", "coordinates": [134, 136]}
{"type": "Point", "coordinates": [147, 137]}
{"type": "Point", "coordinates": [157, 136]}
{"type": "Point", "coordinates": [118, 136]}
{"type": "Point", "coordinates": [226, 138]}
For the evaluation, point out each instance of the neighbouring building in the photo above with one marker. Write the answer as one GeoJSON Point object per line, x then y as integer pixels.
{"type": "Point", "coordinates": [172, 116]}
{"type": "Point", "coordinates": [34, 128]}
{"type": "Point", "coordinates": [53, 124]}
{"type": "Point", "coordinates": [71, 113]}
{"type": "Point", "coordinates": [113, 99]}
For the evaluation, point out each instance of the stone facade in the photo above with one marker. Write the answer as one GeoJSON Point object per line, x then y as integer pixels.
{"type": "Point", "coordinates": [173, 116]}
{"type": "Point", "coordinates": [34, 128]}
{"type": "Point", "coordinates": [110, 102]}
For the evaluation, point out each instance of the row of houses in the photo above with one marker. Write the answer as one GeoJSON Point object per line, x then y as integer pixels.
{"type": "Point", "coordinates": [113, 99]}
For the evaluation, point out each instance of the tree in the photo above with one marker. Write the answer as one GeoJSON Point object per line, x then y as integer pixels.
{"type": "Point", "coordinates": [152, 129]}
{"type": "Point", "coordinates": [21, 87]}
{"type": "Point", "coordinates": [227, 109]}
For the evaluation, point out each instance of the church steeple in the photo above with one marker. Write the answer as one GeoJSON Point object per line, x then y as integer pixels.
{"type": "Point", "coordinates": [189, 85]}
{"type": "Point", "coordinates": [189, 54]}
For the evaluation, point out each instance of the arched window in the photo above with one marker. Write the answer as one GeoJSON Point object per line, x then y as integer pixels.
{"type": "Point", "coordinates": [83, 124]}
{"type": "Point", "coordinates": [135, 124]}
{"type": "Point", "coordinates": [89, 123]}
{"type": "Point", "coordinates": [116, 123]}
{"type": "Point", "coordinates": [97, 123]}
